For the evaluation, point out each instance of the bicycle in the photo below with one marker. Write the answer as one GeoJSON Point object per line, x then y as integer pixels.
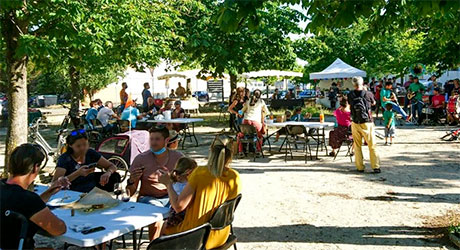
{"type": "Point", "coordinates": [453, 135]}
{"type": "Point", "coordinates": [36, 138]}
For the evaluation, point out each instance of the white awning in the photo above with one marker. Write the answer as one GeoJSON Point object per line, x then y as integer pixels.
{"type": "Point", "coordinates": [269, 73]}
{"type": "Point", "coordinates": [338, 69]}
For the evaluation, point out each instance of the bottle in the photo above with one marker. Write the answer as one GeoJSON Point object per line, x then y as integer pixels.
{"type": "Point", "coordinates": [321, 117]}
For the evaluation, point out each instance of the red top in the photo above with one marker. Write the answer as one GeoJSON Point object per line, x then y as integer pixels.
{"type": "Point", "coordinates": [343, 117]}
{"type": "Point", "coordinates": [438, 101]}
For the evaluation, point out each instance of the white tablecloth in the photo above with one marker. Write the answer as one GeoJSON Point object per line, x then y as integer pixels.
{"type": "Point", "coordinates": [177, 120]}
{"type": "Point", "coordinates": [126, 217]}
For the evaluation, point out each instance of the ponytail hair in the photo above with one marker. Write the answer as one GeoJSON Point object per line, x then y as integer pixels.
{"type": "Point", "coordinates": [220, 155]}
{"type": "Point", "coordinates": [183, 165]}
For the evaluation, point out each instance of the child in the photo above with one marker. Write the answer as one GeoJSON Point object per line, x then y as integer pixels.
{"type": "Point", "coordinates": [184, 167]}
{"type": "Point", "coordinates": [389, 118]}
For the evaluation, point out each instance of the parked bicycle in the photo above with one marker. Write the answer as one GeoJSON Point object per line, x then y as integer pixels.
{"type": "Point", "coordinates": [36, 138]}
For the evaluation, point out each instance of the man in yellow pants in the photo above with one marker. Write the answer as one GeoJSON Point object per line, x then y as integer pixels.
{"type": "Point", "coordinates": [362, 125]}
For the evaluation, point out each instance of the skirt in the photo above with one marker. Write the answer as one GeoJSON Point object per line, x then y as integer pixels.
{"type": "Point", "coordinates": [338, 135]}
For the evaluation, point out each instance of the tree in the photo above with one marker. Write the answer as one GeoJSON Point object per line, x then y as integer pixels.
{"type": "Point", "coordinates": [380, 56]}
{"type": "Point", "coordinates": [86, 37]}
{"type": "Point", "coordinates": [217, 52]}
{"type": "Point", "coordinates": [436, 21]}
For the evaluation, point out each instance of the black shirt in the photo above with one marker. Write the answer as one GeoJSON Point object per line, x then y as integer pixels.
{"type": "Point", "coordinates": [82, 183]}
{"type": "Point", "coordinates": [15, 198]}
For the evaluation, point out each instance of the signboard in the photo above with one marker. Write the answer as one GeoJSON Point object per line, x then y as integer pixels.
{"type": "Point", "coordinates": [217, 87]}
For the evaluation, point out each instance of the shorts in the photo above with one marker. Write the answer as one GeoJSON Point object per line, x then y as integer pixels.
{"type": "Point", "coordinates": [390, 132]}
{"type": "Point", "coordinates": [159, 202]}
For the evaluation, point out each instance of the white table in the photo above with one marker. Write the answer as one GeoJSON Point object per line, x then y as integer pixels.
{"type": "Point", "coordinates": [120, 220]}
{"type": "Point", "coordinates": [186, 131]}
{"type": "Point", "coordinates": [321, 137]}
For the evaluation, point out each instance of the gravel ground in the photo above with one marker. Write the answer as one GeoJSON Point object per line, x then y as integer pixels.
{"type": "Point", "coordinates": [326, 204]}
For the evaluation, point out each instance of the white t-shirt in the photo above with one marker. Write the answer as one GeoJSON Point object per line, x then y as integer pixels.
{"type": "Point", "coordinates": [104, 115]}
{"type": "Point", "coordinates": [254, 113]}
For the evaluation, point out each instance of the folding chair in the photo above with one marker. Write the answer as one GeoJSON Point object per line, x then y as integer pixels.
{"type": "Point", "coordinates": [248, 135]}
{"type": "Point", "coordinates": [222, 218]}
{"type": "Point", "coordinates": [188, 132]}
{"type": "Point", "coordinates": [193, 239]}
{"type": "Point", "coordinates": [349, 141]}
{"type": "Point", "coordinates": [295, 135]}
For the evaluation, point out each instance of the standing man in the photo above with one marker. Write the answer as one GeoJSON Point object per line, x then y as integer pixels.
{"type": "Point", "coordinates": [145, 170]}
{"type": "Point", "coordinates": [123, 96]}
{"type": "Point", "coordinates": [417, 105]}
{"type": "Point", "coordinates": [145, 96]}
{"type": "Point", "coordinates": [180, 91]}
{"type": "Point", "coordinates": [362, 126]}
{"type": "Point", "coordinates": [406, 86]}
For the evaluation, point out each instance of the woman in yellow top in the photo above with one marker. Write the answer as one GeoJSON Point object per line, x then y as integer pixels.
{"type": "Point", "coordinates": [207, 188]}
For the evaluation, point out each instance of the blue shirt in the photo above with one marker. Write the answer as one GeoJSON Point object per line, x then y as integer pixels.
{"type": "Point", "coordinates": [91, 115]}
{"type": "Point", "coordinates": [145, 95]}
{"type": "Point", "coordinates": [130, 114]}
{"type": "Point", "coordinates": [81, 183]}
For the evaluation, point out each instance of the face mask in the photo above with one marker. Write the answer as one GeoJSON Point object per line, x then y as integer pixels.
{"type": "Point", "coordinates": [159, 152]}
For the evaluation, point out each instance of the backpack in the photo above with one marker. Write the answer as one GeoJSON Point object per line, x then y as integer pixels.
{"type": "Point", "coordinates": [359, 108]}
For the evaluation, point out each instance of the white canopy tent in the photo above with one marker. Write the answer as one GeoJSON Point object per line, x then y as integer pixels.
{"type": "Point", "coordinates": [338, 69]}
{"type": "Point", "coordinates": [269, 73]}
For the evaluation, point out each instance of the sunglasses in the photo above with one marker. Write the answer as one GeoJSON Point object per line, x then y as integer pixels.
{"type": "Point", "coordinates": [77, 132]}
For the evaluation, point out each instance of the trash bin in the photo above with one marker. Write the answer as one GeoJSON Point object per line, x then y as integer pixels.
{"type": "Point", "coordinates": [50, 100]}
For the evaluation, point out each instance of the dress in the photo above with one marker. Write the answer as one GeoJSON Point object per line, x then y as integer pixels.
{"type": "Point", "coordinates": [210, 193]}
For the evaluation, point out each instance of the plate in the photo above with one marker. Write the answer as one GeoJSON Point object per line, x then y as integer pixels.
{"type": "Point", "coordinates": [63, 199]}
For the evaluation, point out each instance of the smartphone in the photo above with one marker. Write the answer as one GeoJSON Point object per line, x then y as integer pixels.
{"type": "Point", "coordinates": [92, 165]}
{"type": "Point", "coordinates": [92, 230]}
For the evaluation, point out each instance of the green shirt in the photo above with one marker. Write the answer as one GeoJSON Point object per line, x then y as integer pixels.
{"type": "Point", "coordinates": [387, 115]}
{"type": "Point", "coordinates": [385, 93]}
{"type": "Point", "coordinates": [416, 87]}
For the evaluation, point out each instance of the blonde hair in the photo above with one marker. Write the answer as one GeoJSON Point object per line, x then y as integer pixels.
{"type": "Point", "coordinates": [183, 165]}
{"type": "Point", "coordinates": [220, 155]}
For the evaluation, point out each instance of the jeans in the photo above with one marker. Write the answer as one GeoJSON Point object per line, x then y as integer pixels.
{"type": "Point", "coordinates": [417, 111]}
{"type": "Point", "coordinates": [159, 202]}
{"type": "Point", "coordinates": [406, 102]}
{"type": "Point", "coordinates": [366, 131]}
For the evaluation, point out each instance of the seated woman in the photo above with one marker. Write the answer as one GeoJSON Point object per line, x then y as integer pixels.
{"type": "Point", "coordinates": [178, 112]}
{"type": "Point", "coordinates": [237, 104]}
{"type": "Point", "coordinates": [79, 162]}
{"type": "Point", "coordinates": [207, 188]}
{"type": "Point", "coordinates": [340, 133]}
{"type": "Point", "coordinates": [24, 165]}
{"type": "Point", "coordinates": [254, 111]}
{"type": "Point", "coordinates": [151, 108]}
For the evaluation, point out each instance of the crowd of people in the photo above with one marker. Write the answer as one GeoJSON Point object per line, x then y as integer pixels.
{"type": "Point", "coordinates": [160, 176]}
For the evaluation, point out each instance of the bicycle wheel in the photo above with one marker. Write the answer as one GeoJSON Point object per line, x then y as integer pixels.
{"type": "Point", "coordinates": [447, 137]}
{"type": "Point", "coordinates": [122, 166]}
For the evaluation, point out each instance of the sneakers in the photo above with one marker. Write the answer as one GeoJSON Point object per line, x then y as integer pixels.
{"type": "Point", "coordinates": [331, 154]}
{"type": "Point", "coordinates": [361, 171]}
{"type": "Point", "coordinates": [386, 143]}
{"type": "Point", "coordinates": [377, 170]}
{"type": "Point", "coordinates": [408, 118]}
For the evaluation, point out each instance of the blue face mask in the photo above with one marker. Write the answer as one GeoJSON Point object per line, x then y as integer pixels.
{"type": "Point", "coordinates": [159, 152]}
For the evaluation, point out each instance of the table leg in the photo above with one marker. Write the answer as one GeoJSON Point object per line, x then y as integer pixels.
{"type": "Point", "coordinates": [318, 142]}
{"type": "Point", "coordinates": [193, 133]}
{"type": "Point", "coordinates": [282, 144]}
{"type": "Point", "coordinates": [134, 240]}
{"type": "Point", "coordinates": [324, 141]}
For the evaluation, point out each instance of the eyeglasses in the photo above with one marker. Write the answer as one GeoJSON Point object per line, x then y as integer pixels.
{"type": "Point", "coordinates": [77, 132]}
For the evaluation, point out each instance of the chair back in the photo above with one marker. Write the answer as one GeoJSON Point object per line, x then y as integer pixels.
{"type": "Point", "coordinates": [124, 125]}
{"type": "Point", "coordinates": [24, 226]}
{"type": "Point", "coordinates": [192, 239]}
{"type": "Point", "coordinates": [223, 216]}
{"type": "Point", "coordinates": [247, 129]}
{"type": "Point", "coordinates": [296, 129]}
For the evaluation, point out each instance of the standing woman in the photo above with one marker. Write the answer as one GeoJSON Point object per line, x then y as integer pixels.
{"type": "Point", "coordinates": [237, 104]}
{"type": "Point", "coordinates": [24, 165]}
{"type": "Point", "coordinates": [254, 111]}
{"type": "Point", "coordinates": [207, 188]}
{"type": "Point", "coordinates": [79, 162]}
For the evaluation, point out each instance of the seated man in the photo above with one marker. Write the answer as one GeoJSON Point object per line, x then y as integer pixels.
{"type": "Point", "coordinates": [131, 113]}
{"type": "Point", "coordinates": [437, 104]}
{"type": "Point", "coordinates": [387, 96]}
{"type": "Point", "coordinates": [146, 167]}
{"type": "Point", "coordinates": [105, 114]}
{"type": "Point", "coordinates": [92, 113]}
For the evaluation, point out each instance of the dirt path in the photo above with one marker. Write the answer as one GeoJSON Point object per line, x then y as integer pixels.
{"type": "Point", "coordinates": [326, 204]}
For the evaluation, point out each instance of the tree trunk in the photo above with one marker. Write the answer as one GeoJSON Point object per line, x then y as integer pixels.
{"type": "Point", "coordinates": [233, 79]}
{"type": "Point", "coordinates": [74, 76]}
{"type": "Point", "coordinates": [16, 71]}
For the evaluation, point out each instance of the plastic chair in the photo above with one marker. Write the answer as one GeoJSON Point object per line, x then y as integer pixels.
{"type": "Point", "coordinates": [295, 135]}
{"type": "Point", "coordinates": [223, 217]}
{"type": "Point", "coordinates": [24, 226]}
{"type": "Point", "coordinates": [192, 239]}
